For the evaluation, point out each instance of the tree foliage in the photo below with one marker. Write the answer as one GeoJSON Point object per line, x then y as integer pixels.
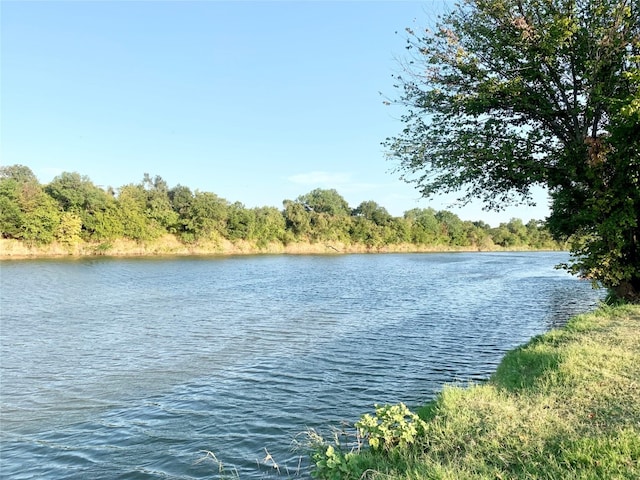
{"type": "Point", "coordinates": [26, 211]}
{"type": "Point", "coordinates": [325, 201]}
{"type": "Point", "coordinates": [96, 209]}
{"type": "Point", "coordinates": [374, 212]}
{"type": "Point", "coordinates": [11, 215]}
{"type": "Point", "coordinates": [40, 218]}
{"type": "Point", "coordinates": [508, 94]}
{"type": "Point", "coordinates": [71, 209]}
{"type": "Point", "coordinates": [19, 173]}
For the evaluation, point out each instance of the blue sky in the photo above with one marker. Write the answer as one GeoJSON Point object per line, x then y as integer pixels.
{"type": "Point", "coordinates": [255, 101]}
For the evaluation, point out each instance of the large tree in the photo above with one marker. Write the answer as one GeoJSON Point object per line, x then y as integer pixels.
{"type": "Point", "coordinates": [505, 95]}
{"type": "Point", "coordinates": [325, 201]}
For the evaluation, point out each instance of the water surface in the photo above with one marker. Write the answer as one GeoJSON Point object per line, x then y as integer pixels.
{"type": "Point", "coordinates": [135, 368]}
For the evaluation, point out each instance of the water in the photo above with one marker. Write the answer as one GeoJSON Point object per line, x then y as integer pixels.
{"type": "Point", "coordinates": [136, 368]}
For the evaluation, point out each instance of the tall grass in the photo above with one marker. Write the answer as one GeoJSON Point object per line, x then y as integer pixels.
{"type": "Point", "coordinates": [564, 406]}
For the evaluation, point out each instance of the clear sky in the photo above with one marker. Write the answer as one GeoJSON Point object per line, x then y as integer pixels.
{"type": "Point", "coordinates": [255, 101]}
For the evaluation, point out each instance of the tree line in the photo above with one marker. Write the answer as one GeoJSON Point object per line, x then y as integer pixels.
{"type": "Point", "coordinates": [72, 209]}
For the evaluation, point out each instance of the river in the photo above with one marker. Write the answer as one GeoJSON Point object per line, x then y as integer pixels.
{"type": "Point", "coordinates": [138, 368]}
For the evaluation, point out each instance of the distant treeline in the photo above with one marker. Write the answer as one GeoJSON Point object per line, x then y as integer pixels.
{"type": "Point", "coordinates": [72, 209]}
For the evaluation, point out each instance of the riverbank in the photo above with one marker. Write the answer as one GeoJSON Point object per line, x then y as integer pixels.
{"type": "Point", "coordinates": [169, 245]}
{"type": "Point", "coordinates": [565, 405]}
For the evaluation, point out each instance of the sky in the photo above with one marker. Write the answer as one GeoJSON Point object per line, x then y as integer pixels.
{"type": "Point", "coordinates": [257, 102]}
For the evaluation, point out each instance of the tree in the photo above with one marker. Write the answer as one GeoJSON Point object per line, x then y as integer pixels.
{"type": "Point", "coordinates": [366, 232]}
{"type": "Point", "coordinates": [159, 207]}
{"type": "Point", "coordinates": [241, 222]}
{"type": "Point", "coordinates": [69, 229]}
{"type": "Point", "coordinates": [208, 216]}
{"type": "Point", "coordinates": [538, 236]}
{"type": "Point", "coordinates": [132, 200]}
{"type": "Point", "coordinates": [297, 218]}
{"type": "Point", "coordinates": [181, 199]}
{"type": "Point", "coordinates": [327, 227]}
{"type": "Point", "coordinates": [96, 208]}
{"type": "Point", "coordinates": [20, 173]}
{"type": "Point", "coordinates": [71, 190]}
{"type": "Point", "coordinates": [13, 179]}
{"type": "Point", "coordinates": [425, 226]}
{"type": "Point", "coordinates": [325, 201]}
{"type": "Point", "coordinates": [451, 227]}
{"type": "Point", "coordinates": [11, 215]}
{"type": "Point", "coordinates": [107, 223]}
{"type": "Point", "coordinates": [508, 94]}
{"type": "Point", "coordinates": [41, 215]}
{"type": "Point", "coordinates": [374, 212]}
{"type": "Point", "coordinates": [270, 225]}
{"type": "Point", "coordinates": [26, 211]}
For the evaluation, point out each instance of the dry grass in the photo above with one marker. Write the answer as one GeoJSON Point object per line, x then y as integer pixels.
{"type": "Point", "coordinates": [170, 245]}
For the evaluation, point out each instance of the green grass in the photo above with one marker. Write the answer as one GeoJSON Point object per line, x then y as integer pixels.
{"type": "Point", "coordinates": [564, 406]}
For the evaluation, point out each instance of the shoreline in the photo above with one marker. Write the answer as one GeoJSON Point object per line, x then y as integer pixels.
{"type": "Point", "coordinates": [562, 405]}
{"type": "Point", "coordinates": [169, 245]}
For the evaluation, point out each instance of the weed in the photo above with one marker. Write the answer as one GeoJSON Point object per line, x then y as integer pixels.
{"type": "Point", "coordinates": [392, 426]}
{"type": "Point", "coordinates": [223, 472]}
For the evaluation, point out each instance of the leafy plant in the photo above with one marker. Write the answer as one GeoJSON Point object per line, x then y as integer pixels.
{"type": "Point", "coordinates": [334, 464]}
{"type": "Point", "coordinates": [336, 460]}
{"type": "Point", "coordinates": [392, 426]}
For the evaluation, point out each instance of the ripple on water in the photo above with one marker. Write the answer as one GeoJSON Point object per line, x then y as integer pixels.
{"type": "Point", "coordinates": [136, 369]}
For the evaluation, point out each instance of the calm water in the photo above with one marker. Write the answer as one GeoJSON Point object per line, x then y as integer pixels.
{"type": "Point", "coordinates": [134, 369]}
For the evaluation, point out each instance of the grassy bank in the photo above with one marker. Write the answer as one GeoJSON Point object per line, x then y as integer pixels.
{"type": "Point", "coordinates": [170, 245]}
{"type": "Point", "coordinates": [564, 406]}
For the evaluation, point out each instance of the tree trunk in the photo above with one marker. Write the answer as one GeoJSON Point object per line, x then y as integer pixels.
{"type": "Point", "coordinates": [629, 290]}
